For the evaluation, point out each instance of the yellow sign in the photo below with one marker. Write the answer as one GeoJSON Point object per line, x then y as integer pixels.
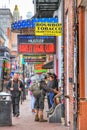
{"type": "Point", "coordinates": [48, 29]}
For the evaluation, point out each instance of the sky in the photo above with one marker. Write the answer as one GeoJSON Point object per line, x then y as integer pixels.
{"type": "Point", "coordinates": [23, 5]}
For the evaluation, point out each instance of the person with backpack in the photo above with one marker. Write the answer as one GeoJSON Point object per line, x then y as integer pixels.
{"type": "Point", "coordinates": [15, 86]}
{"type": "Point", "coordinates": [39, 94]}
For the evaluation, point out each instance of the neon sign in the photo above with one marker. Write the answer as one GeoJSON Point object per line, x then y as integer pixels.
{"type": "Point", "coordinates": [36, 48]}
{"type": "Point", "coordinates": [36, 44]}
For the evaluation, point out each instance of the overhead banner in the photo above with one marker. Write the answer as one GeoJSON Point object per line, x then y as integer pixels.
{"type": "Point", "coordinates": [48, 29]}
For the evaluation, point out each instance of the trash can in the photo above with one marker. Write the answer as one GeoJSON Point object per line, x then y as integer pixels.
{"type": "Point", "coordinates": [5, 109]}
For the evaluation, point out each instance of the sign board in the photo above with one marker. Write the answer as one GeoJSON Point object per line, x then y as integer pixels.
{"type": "Point", "coordinates": [48, 29]}
{"type": "Point", "coordinates": [23, 62]}
{"type": "Point", "coordinates": [28, 58]}
{"type": "Point", "coordinates": [40, 71]}
{"type": "Point", "coordinates": [35, 39]}
{"type": "Point", "coordinates": [36, 44]}
{"type": "Point", "coordinates": [34, 60]}
{"type": "Point", "coordinates": [36, 48]}
{"type": "Point", "coordinates": [38, 68]}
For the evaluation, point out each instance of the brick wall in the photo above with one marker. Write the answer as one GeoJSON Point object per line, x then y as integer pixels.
{"type": "Point", "coordinates": [82, 104]}
{"type": "Point", "coordinates": [82, 117]}
{"type": "Point", "coordinates": [68, 10]}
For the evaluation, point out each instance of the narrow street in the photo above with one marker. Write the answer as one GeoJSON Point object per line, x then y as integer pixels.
{"type": "Point", "coordinates": [26, 120]}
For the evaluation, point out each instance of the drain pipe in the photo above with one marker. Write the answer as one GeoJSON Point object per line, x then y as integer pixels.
{"type": "Point", "coordinates": [75, 90]}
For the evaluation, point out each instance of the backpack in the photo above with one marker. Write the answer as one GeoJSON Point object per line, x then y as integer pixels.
{"type": "Point", "coordinates": [35, 88]}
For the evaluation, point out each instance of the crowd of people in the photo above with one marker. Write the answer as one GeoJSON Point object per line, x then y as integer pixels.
{"type": "Point", "coordinates": [38, 89]}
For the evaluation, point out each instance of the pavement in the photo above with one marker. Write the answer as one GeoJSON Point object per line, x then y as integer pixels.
{"type": "Point", "coordinates": [26, 120]}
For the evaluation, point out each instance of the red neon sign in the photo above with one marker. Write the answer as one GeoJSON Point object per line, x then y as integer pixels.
{"type": "Point", "coordinates": [36, 48]}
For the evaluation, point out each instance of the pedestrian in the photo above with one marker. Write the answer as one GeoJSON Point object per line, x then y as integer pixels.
{"type": "Point", "coordinates": [39, 95]}
{"type": "Point", "coordinates": [29, 83]}
{"type": "Point", "coordinates": [57, 100]}
{"type": "Point", "coordinates": [54, 86]}
{"type": "Point", "coordinates": [15, 86]}
{"type": "Point", "coordinates": [32, 102]}
{"type": "Point", "coordinates": [23, 93]}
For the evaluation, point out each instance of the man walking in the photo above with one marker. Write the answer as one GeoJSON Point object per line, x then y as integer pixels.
{"type": "Point", "coordinates": [15, 86]}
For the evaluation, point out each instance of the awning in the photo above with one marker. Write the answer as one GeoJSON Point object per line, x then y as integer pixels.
{"type": "Point", "coordinates": [49, 65]}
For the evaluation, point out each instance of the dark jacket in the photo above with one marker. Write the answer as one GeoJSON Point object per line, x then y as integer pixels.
{"type": "Point", "coordinates": [15, 84]}
{"type": "Point", "coordinates": [54, 84]}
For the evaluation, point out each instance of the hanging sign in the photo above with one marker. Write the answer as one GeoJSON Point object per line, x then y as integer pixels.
{"type": "Point", "coordinates": [38, 68]}
{"type": "Point", "coordinates": [48, 29]}
{"type": "Point", "coordinates": [36, 44]}
{"type": "Point", "coordinates": [36, 48]}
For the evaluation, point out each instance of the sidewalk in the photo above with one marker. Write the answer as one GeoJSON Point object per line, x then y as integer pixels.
{"type": "Point", "coordinates": [26, 120]}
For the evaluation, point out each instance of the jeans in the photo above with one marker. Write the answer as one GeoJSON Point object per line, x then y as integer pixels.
{"type": "Point", "coordinates": [51, 97]}
{"type": "Point", "coordinates": [15, 105]}
{"type": "Point", "coordinates": [48, 100]}
{"type": "Point", "coordinates": [32, 101]}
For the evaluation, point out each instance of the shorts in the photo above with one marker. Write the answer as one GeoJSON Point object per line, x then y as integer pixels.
{"type": "Point", "coordinates": [39, 102]}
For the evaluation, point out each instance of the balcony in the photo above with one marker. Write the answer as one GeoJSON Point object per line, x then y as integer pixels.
{"type": "Point", "coordinates": [46, 8]}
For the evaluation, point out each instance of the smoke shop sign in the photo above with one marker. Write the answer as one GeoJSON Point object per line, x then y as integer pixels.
{"type": "Point", "coordinates": [48, 29]}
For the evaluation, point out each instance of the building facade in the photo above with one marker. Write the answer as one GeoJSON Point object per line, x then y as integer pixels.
{"type": "Point", "coordinates": [5, 24]}
{"type": "Point", "coordinates": [5, 19]}
{"type": "Point", "coordinates": [75, 62]}
{"type": "Point", "coordinates": [9, 37]}
{"type": "Point", "coordinates": [69, 41]}
{"type": "Point", "coordinates": [82, 37]}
